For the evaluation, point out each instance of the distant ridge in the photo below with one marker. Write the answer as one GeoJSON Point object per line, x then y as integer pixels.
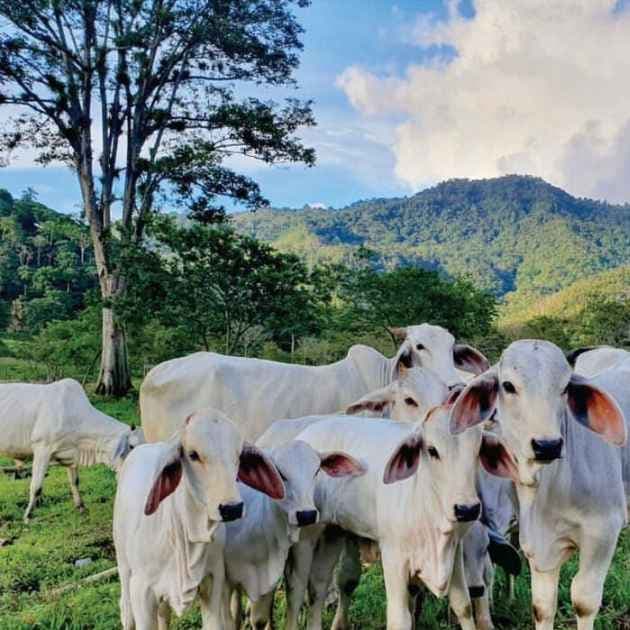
{"type": "Point", "coordinates": [510, 234]}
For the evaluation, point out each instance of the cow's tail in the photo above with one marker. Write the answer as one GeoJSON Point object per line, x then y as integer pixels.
{"type": "Point", "coordinates": [574, 354]}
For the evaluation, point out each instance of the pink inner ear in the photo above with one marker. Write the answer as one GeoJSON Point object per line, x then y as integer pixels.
{"type": "Point", "coordinates": [470, 360]}
{"type": "Point", "coordinates": [341, 465]}
{"type": "Point", "coordinates": [257, 471]}
{"type": "Point", "coordinates": [163, 486]}
{"type": "Point", "coordinates": [597, 410]}
{"type": "Point", "coordinates": [496, 459]}
{"type": "Point", "coordinates": [404, 461]}
{"type": "Point", "coordinates": [474, 405]}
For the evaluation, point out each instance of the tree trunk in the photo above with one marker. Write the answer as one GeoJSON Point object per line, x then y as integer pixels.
{"type": "Point", "coordinates": [114, 377]}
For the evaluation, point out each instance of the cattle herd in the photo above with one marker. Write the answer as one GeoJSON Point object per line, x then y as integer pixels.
{"type": "Point", "coordinates": [255, 471]}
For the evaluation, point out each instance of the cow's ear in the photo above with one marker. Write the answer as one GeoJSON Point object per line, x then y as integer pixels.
{"type": "Point", "coordinates": [398, 333]}
{"type": "Point", "coordinates": [402, 362]}
{"type": "Point", "coordinates": [258, 471]}
{"type": "Point", "coordinates": [468, 359]}
{"type": "Point", "coordinates": [338, 464]}
{"type": "Point", "coordinates": [596, 410]}
{"type": "Point", "coordinates": [168, 478]}
{"type": "Point", "coordinates": [404, 460]}
{"type": "Point", "coordinates": [476, 403]}
{"type": "Point", "coordinates": [376, 402]}
{"type": "Point", "coordinates": [496, 459]}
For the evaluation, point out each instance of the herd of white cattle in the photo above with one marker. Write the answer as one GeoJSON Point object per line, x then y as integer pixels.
{"type": "Point", "coordinates": [251, 473]}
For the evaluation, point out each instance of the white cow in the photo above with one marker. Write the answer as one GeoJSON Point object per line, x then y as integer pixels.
{"type": "Point", "coordinates": [257, 547]}
{"type": "Point", "coordinates": [609, 369]}
{"type": "Point", "coordinates": [57, 423]}
{"type": "Point", "coordinates": [568, 480]}
{"type": "Point", "coordinates": [419, 523]}
{"type": "Point", "coordinates": [256, 392]}
{"type": "Point", "coordinates": [171, 501]}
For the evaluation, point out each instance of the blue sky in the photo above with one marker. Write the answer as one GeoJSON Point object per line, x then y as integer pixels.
{"type": "Point", "coordinates": [411, 92]}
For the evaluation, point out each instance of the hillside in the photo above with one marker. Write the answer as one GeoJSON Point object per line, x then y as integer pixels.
{"type": "Point", "coordinates": [513, 233]}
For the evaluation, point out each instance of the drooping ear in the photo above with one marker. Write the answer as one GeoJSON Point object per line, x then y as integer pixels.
{"type": "Point", "coordinates": [258, 471]}
{"type": "Point", "coordinates": [338, 464]}
{"type": "Point", "coordinates": [398, 333]}
{"type": "Point", "coordinates": [168, 478]}
{"type": "Point", "coordinates": [476, 403]}
{"type": "Point", "coordinates": [402, 362]}
{"type": "Point", "coordinates": [469, 359]}
{"type": "Point", "coordinates": [376, 401]}
{"type": "Point", "coordinates": [404, 460]}
{"type": "Point", "coordinates": [122, 449]}
{"type": "Point", "coordinates": [596, 410]}
{"type": "Point", "coordinates": [496, 459]}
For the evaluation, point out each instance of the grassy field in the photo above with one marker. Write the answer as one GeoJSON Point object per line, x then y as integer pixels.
{"type": "Point", "coordinates": [38, 558]}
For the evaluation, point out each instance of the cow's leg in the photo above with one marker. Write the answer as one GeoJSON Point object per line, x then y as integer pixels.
{"type": "Point", "coordinates": [458, 595]}
{"type": "Point", "coordinates": [544, 596]}
{"type": "Point", "coordinates": [164, 616]}
{"type": "Point", "coordinates": [73, 479]}
{"type": "Point", "coordinates": [396, 577]}
{"type": "Point", "coordinates": [325, 559]}
{"type": "Point", "coordinates": [587, 587]}
{"type": "Point", "coordinates": [348, 576]}
{"type": "Point", "coordinates": [296, 575]}
{"type": "Point", "coordinates": [143, 604]}
{"type": "Point", "coordinates": [211, 599]}
{"type": "Point", "coordinates": [41, 459]}
{"type": "Point", "coordinates": [483, 605]}
{"type": "Point", "coordinates": [261, 612]}
{"type": "Point", "coordinates": [126, 609]}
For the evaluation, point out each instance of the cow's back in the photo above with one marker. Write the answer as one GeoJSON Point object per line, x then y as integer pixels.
{"type": "Point", "coordinates": [597, 360]}
{"type": "Point", "coordinates": [253, 392]}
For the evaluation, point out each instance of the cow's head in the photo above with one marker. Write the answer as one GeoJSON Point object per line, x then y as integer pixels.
{"type": "Point", "coordinates": [448, 463]}
{"type": "Point", "coordinates": [434, 347]}
{"type": "Point", "coordinates": [533, 389]}
{"type": "Point", "coordinates": [477, 565]}
{"type": "Point", "coordinates": [208, 454]}
{"type": "Point", "coordinates": [407, 399]}
{"type": "Point", "coordinates": [299, 466]}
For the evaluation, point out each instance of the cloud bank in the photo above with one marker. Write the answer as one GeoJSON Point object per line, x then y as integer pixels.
{"type": "Point", "coordinates": [534, 87]}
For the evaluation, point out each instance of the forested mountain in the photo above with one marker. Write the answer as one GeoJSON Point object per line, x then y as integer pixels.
{"type": "Point", "coordinates": [513, 233]}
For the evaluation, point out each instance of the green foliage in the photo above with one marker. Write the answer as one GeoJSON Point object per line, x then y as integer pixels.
{"type": "Point", "coordinates": [510, 234]}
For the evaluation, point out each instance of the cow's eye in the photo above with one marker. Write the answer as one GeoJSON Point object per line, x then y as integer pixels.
{"type": "Point", "coordinates": [508, 387]}
{"type": "Point", "coordinates": [419, 346]}
{"type": "Point", "coordinates": [411, 402]}
{"type": "Point", "coordinates": [433, 452]}
{"type": "Point", "coordinates": [194, 456]}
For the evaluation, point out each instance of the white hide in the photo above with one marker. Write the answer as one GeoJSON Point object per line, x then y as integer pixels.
{"type": "Point", "coordinates": [57, 423]}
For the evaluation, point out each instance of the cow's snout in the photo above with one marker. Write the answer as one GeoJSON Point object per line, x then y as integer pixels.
{"type": "Point", "coordinates": [231, 511]}
{"type": "Point", "coordinates": [476, 591]}
{"type": "Point", "coordinates": [467, 513]}
{"type": "Point", "coordinates": [547, 450]}
{"type": "Point", "coordinates": [306, 517]}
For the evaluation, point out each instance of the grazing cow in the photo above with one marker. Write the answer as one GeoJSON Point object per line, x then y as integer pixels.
{"type": "Point", "coordinates": [568, 480]}
{"type": "Point", "coordinates": [57, 423]}
{"type": "Point", "coordinates": [257, 547]}
{"type": "Point", "coordinates": [256, 392]}
{"type": "Point", "coordinates": [171, 501]}
{"type": "Point", "coordinates": [609, 369]}
{"type": "Point", "coordinates": [417, 524]}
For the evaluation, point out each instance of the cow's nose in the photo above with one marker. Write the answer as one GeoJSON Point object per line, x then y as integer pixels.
{"type": "Point", "coordinates": [306, 517]}
{"type": "Point", "coordinates": [231, 511]}
{"type": "Point", "coordinates": [476, 591]}
{"type": "Point", "coordinates": [466, 513]}
{"type": "Point", "coordinates": [547, 450]}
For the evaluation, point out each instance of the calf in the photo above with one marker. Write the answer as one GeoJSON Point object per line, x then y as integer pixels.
{"type": "Point", "coordinates": [568, 479]}
{"type": "Point", "coordinates": [419, 523]}
{"type": "Point", "coordinates": [257, 547]}
{"type": "Point", "coordinates": [171, 501]}
{"type": "Point", "coordinates": [57, 423]}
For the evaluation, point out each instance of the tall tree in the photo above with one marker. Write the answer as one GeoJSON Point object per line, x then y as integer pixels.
{"type": "Point", "coordinates": [144, 98]}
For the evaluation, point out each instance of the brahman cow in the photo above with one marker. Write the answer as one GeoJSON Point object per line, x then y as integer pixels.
{"type": "Point", "coordinates": [171, 501]}
{"type": "Point", "coordinates": [57, 423]}
{"type": "Point", "coordinates": [568, 479]}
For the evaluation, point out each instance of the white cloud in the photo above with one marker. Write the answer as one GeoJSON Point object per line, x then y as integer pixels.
{"type": "Point", "coordinates": [535, 87]}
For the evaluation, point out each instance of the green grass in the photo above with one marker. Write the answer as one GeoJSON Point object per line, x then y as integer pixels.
{"type": "Point", "coordinates": [40, 558]}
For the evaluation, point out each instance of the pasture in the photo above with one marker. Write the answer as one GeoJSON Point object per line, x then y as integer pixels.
{"type": "Point", "coordinates": [37, 560]}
